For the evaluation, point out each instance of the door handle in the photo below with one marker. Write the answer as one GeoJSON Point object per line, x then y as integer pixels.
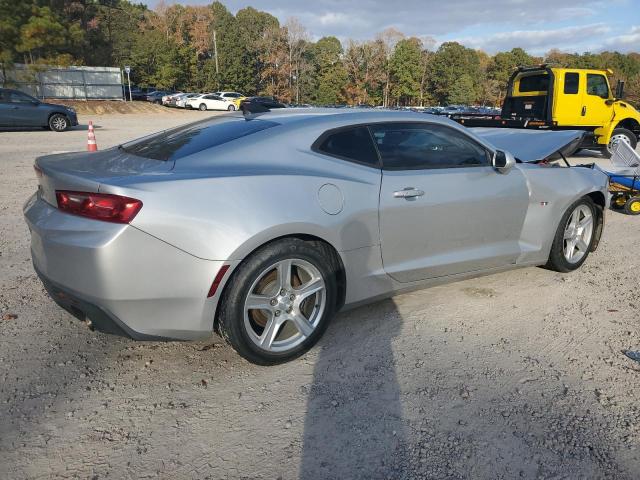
{"type": "Point", "coordinates": [408, 192]}
{"type": "Point", "coordinates": [584, 111]}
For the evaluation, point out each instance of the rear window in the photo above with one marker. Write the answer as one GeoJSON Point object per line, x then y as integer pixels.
{"type": "Point", "coordinates": [534, 83]}
{"type": "Point", "coordinates": [193, 138]}
{"type": "Point", "coordinates": [352, 144]}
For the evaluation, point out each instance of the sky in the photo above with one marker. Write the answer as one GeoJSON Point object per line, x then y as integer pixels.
{"type": "Point", "coordinates": [490, 25]}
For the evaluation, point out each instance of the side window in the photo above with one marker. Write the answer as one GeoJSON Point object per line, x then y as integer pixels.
{"type": "Point", "coordinates": [208, 97]}
{"type": "Point", "coordinates": [353, 144]}
{"type": "Point", "coordinates": [597, 85]}
{"type": "Point", "coordinates": [411, 146]}
{"type": "Point", "coordinates": [17, 97]}
{"type": "Point", "coordinates": [571, 82]}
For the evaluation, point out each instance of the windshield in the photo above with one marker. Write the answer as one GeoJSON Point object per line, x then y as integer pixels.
{"type": "Point", "coordinates": [195, 137]}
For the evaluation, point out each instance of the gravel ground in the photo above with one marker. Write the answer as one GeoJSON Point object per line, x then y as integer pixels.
{"type": "Point", "coordinates": [515, 375]}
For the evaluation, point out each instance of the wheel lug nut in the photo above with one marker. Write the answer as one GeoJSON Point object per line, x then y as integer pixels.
{"type": "Point", "coordinates": [292, 297]}
{"type": "Point", "coordinates": [283, 291]}
{"type": "Point", "coordinates": [277, 313]}
{"type": "Point", "coordinates": [273, 302]}
{"type": "Point", "coordinates": [289, 310]}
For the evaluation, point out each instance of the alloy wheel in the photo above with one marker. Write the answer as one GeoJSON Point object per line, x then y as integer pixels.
{"type": "Point", "coordinates": [284, 305]}
{"type": "Point", "coordinates": [578, 233]}
{"type": "Point", "coordinates": [59, 123]}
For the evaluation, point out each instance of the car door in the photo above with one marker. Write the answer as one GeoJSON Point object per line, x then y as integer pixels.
{"type": "Point", "coordinates": [595, 111]}
{"type": "Point", "coordinates": [218, 103]}
{"type": "Point", "coordinates": [23, 110]}
{"type": "Point", "coordinates": [443, 208]}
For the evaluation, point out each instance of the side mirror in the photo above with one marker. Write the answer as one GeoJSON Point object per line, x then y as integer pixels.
{"type": "Point", "coordinates": [503, 161]}
{"type": "Point", "coordinates": [619, 90]}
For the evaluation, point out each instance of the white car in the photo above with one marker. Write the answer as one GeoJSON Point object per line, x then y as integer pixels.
{"type": "Point", "coordinates": [233, 96]}
{"type": "Point", "coordinates": [181, 100]}
{"type": "Point", "coordinates": [211, 101]}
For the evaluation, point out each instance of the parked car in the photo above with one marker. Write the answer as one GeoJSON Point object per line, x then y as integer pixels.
{"type": "Point", "coordinates": [17, 109]}
{"type": "Point", "coordinates": [187, 231]}
{"type": "Point", "coordinates": [182, 99]}
{"type": "Point", "coordinates": [169, 100]}
{"type": "Point", "coordinates": [211, 101]}
{"type": "Point", "coordinates": [141, 93]}
{"type": "Point", "coordinates": [265, 103]}
{"type": "Point", "coordinates": [156, 96]}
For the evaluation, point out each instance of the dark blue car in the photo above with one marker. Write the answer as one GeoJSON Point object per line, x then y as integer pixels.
{"type": "Point", "coordinates": [17, 109]}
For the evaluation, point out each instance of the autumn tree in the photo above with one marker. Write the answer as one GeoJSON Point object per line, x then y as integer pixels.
{"type": "Point", "coordinates": [405, 67]}
{"type": "Point", "coordinates": [452, 69]}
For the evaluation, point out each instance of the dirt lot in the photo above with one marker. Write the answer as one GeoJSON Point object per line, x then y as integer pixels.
{"type": "Point", "coordinates": [516, 375]}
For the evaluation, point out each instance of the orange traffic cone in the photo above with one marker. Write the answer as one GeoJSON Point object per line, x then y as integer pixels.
{"type": "Point", "coordinates": [92, 146]}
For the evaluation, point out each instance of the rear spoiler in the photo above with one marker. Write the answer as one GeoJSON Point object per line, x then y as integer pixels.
{"type": "Point", "coordinates": [531, 146]}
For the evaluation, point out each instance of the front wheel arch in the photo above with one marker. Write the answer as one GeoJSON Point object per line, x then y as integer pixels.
{"type": "Point", "coordinates": [341, 280]}
{"type": "Point", "coordinates": [600, 203]}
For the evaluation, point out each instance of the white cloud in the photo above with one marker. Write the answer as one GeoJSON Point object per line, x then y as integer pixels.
{"type": "Point", "coordinates": [537, 41]}
{"type": "Point", "coordinates": [629, 42]}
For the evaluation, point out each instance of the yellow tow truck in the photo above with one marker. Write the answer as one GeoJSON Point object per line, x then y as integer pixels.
{"type": "Point", "coordinates": [547, 97]}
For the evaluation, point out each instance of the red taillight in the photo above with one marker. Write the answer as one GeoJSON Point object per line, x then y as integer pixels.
{"type": "Point", "coordinates": [99, 206]}
{"type": "Point", "coordinates": [217, 281]}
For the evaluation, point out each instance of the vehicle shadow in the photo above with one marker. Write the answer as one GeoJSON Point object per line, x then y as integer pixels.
{"type": "Point", "coordinates": [80, 127]}
{"type": "Point", "coordinates": [353, 426]}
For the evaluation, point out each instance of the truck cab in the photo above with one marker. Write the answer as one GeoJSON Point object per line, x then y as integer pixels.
{"type": "Point", "coordinates": [572, 98]}
{"type": "Point", "coordinates": [556, 98]}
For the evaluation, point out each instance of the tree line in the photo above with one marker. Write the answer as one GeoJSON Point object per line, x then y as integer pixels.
{"type": "Point", "coordinates": [207, 48]}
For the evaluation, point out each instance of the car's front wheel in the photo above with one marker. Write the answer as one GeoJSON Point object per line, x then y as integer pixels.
{"type": "Point", "coordinates": [202, 107]}
{"type": "Point", "coordinates": [58, 122]}
{"type": "Point", "coordinates": [279, 301]}
{"type": "Point", "coordinates": [231, 108]}
{"type": "Point", "coordinates": [574, 236]}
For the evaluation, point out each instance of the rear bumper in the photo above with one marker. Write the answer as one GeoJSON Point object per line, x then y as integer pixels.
{"type": "Point", "coordinates": [126, 281]}
{"type": "Point", "coordinates": [101, 320]}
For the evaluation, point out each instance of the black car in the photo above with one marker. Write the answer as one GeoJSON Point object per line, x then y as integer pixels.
{"type": "Point", "coordinates": [260, 104]}
{"type": "Point", "coordinates": [17, 109]}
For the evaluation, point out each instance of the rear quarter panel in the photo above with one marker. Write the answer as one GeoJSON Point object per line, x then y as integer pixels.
{"type": "Point", "coordinates": [223, 210]}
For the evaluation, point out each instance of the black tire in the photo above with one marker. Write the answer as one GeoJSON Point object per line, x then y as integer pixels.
{"type": "Point", "coordinates": [231, 324]}
{"type": "Point", "coordinates": [58, 122]}
{"type": "Point", "coordinates": [633, 140]}
{"type": "Point", "coordinates": [632, 206]}
{"type": "Point", "coordinates": [618, 201]}
{"type": "Point", "coordinates": [202, 107]}
{"type": "Point", "coordinates": [557, 260]}
{"type": "Point", "coordinates": [231, 108]}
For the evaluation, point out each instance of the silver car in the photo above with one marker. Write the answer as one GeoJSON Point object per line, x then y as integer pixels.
{"type": "Point", "coordinates": [262, 227]}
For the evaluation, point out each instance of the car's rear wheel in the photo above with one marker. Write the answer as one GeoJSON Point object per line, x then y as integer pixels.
{"type": "Point", "coordinates": [279, 301]}
{"type": "Point", "coordinates": [202, 107]}
{"type": "Point", "coordinates": [620, 135]}
{"type": "Point", "coordinates": [231, 108]}
{"type": "Point", "coordinates": [574, 236]}
{"type": "Point", "coordinates": [58, 122]}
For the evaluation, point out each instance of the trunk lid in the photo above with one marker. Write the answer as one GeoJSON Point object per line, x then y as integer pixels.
{"type": "Point", "coordinates": [85, 172]}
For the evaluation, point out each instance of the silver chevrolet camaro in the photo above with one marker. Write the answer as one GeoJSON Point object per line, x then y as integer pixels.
{"type": "Point", "coordinates": [261, 227]}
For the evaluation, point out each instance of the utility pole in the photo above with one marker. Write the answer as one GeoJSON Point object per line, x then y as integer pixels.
{"type": "Point", "coordinates": [215, 53]}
